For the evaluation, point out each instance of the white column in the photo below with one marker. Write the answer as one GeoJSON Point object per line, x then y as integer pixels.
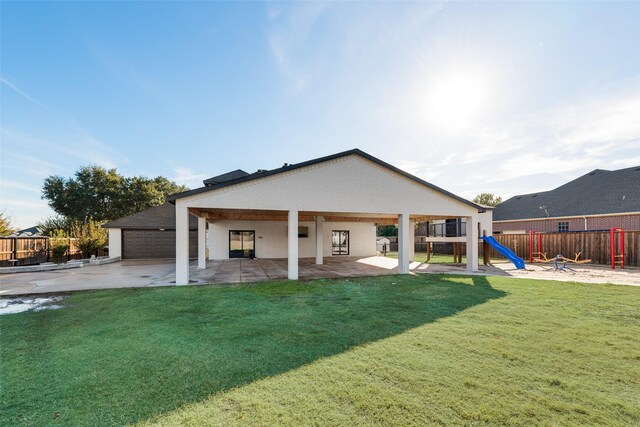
{"type": "Point", "coordinates": [293, 245]}
{"type": "Point", "coordinates": [115, 242]}
{"type": "Point", "coordinates": [472, 243]}
{"type": "Point", "coordinates": [182, 244]}
{"type": "Point", "coordinates": [403, 243]}
{"type": "Point", "coordinates": [202, 243]}
{"type": "Point", "coordinates": [412, 240]}
{"type": "Point", "coordinates": [210, 241]}
{"type": "Point", "coordinates": [319, 240]}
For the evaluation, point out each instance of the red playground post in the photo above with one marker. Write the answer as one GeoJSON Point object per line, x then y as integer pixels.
{"type": "Point", "coordinates": [539, 252]}
{"type": "Point", "coordinates": [614, 247]}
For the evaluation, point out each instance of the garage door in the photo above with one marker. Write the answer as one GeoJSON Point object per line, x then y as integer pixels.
{"type": "Point", "coordinates": [154, 244]}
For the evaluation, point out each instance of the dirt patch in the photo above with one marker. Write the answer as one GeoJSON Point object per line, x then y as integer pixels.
{"type": "Point", "coordinates": [577, 273]}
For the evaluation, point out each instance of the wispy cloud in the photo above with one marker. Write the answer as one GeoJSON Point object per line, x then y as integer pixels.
{"type": "Point", "coordinates": [288, 34]}
{"type": "Point", "coordinates": [123, 69]}
{"type": "Point", "coordinates": [186, 176]}
{"type": "Point", "coordinates": [543, 150]}
{"type": "Point", "coordinates": [21, 92]}
{"type": "Point", "coordinates": [73, 141]}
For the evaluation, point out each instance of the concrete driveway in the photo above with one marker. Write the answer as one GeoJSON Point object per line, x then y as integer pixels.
{"type": "Point", "coordinates": [123, 274]}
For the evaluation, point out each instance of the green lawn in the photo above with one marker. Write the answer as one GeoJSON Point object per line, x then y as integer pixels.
{"type": "Point", "coordinates": [435, 258]}
{"type": "Point", "coordinates": [386, 350]}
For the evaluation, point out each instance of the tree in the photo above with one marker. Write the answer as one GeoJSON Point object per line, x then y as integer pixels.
{"type": "Point", "coordinates": [6, 227]}
{"type": "Point", "coordinates": [487, 199]}
{"type": "Point", "coordinates": [387, 230]}
{"type": "Point", "coordinates": [90, 236]}
{"type": "Point", "coordinates": [50, 224]}
{"type": "Point", "coordinates": [103, 194]}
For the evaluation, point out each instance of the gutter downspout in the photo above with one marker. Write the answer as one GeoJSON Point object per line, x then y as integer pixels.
{"type": "Point", "coordinates": [585, 223]}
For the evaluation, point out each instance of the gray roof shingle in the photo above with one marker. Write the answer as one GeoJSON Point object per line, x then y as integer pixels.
{"type": "Point", "coordinates": [163, 216]}
{"type": "Point", "coordinates": [238, 173]}
{"type": "Point", "coordinates": [598, 192]}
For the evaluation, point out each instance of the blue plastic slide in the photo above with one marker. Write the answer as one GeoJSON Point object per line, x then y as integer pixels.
{"type": "Point", "coordinates": [505, 251]}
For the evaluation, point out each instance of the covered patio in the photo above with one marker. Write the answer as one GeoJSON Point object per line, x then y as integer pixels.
{"type": "Point", "coordinates": [350, 189]}
{"type": "Point", "coordinates": [258, 270]}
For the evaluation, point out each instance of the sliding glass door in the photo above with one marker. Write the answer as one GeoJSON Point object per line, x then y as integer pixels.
{"type": "Point", "coordinates": [340, 242]}
{"type": "Point", "coordinates": [242, 244]}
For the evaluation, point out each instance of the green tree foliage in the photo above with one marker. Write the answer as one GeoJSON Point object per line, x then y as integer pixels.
{"type": "Point", "coordinates": [387, 230]}
{"type": "Point", "coordinates": [90, 236]}
{"type": "Point", "coordinates": [52, 223]}
{"type": "Point", "coordinates": [103, 194]}
{"type": "Point", "coordinates": [6, 227]}
{"type": "Point", "coordinates": [59, 245]}
{"type": "Point", "coordinates": [487, 199]}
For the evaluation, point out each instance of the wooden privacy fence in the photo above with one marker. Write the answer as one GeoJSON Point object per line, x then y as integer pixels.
{"type": "Point", "coordinates": [593, 245]}
{"type": "Point", "coordinates": [34, 250]}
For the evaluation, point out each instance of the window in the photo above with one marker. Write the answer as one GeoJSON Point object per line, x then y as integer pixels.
{"type": "Point", "coordinates": [303, 232]}
{"type": "Point", "coordinates": [339, 242]}
{"type": "Point", "coordinates": [563, 226]}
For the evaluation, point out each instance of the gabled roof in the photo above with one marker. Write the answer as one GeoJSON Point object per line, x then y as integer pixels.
{"type": "Point", "coordinates": [238, 173]}
{"type": "Point", "coordinates": [290, 167]}
{"type": "Point", "coordinates": [163, 216]}
{"type": "Point", "coordinates": [596, 193]}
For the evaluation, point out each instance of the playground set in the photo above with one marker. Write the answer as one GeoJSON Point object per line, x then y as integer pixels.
{"type": "Point", "coordinates": [536, 254]}
{"type": "Point", "coordinates": [616, 241]}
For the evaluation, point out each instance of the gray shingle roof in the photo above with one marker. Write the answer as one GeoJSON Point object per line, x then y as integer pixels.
{"type": "Point", "coordinates": [598, 192]}
{"type": "Point", "coordinates": [238, 173]}
{"type": "Point", "coordinates": [163, 216]}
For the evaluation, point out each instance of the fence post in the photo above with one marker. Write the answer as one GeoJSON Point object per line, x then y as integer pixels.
{"type": "Point", "coordinates": [15, 248]}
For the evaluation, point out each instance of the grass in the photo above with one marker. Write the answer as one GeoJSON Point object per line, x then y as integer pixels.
{"type": "Point", "coordinates": [435, 258]}
{"type": "Point", "coordinates": [391, 350]}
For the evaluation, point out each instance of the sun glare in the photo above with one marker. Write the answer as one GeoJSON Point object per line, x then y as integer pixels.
{"type": "Point", "coordinates": [456, 101]}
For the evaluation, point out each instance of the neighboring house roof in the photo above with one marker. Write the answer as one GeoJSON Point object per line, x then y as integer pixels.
{"type": "Point", "coordinates": [163, 216]}
{"type": "Point", "coordinates": [596, 193]}
{"type": "Point", "coordinates": [289, 167]}
{"type": "Point", "coordinates": [238, 173]}
{"type": "Point", "coordinates": [27, 232]}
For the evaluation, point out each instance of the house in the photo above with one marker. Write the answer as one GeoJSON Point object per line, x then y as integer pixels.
{"type": "Point", "coordinates": [599, 200]}
{"type": "Point", "coordinates": [27, 232]}
{"type": "Point", "coordinates": [320, 208]}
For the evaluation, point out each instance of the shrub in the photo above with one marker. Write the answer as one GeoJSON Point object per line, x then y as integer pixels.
{"type": "Point", "coordinates": [59, 245]}
{"type": "Point", "coordinates": [90, 236]}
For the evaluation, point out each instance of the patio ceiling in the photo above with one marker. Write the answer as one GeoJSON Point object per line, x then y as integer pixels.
{"type": "Point", "coordinates": [304, 216]}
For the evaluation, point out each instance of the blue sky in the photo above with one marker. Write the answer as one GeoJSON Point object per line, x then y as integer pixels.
{"type": "Point", "coordinates": [509, 97]}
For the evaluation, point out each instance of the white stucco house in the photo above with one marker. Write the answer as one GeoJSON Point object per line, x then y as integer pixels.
{"type": "Point", "coordinates": [326, 207]}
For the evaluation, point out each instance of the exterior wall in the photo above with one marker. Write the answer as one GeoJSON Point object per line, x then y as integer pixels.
{"type": "Point", "coordinates": [271, 238]}
{"type": "Point", "coordinates": [349, 184]}
{"type": "Point", "coordinates": [115, 242]}
{"type": "Point", "coordinates": [628, 222]}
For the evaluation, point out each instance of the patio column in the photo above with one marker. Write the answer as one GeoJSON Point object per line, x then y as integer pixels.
{"type": "Point", "coordinates": [210, 240]}
{"type": "Point", "coordinates": [182, 244]}
{"type": "Point", "coordinates": [202, 245]}
{"type": "Point", "coordinates": [293, 245]}
{"type": "Point", "coordinates": [319, 240]}
{"type": "Point", "coordinates": [403, 243]}
{"type": "Point", "coordinates": [472, 243]}
{"type": "Point", "coordinates": [412, 240]}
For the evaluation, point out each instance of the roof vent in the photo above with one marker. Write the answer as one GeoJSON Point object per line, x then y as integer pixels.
{"type": "Point", "coordinates": [518, 197]}
{"type": "Point", "coordinates": [592, 173]}
{"type": "Point", "coordinates": [535, 195]}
